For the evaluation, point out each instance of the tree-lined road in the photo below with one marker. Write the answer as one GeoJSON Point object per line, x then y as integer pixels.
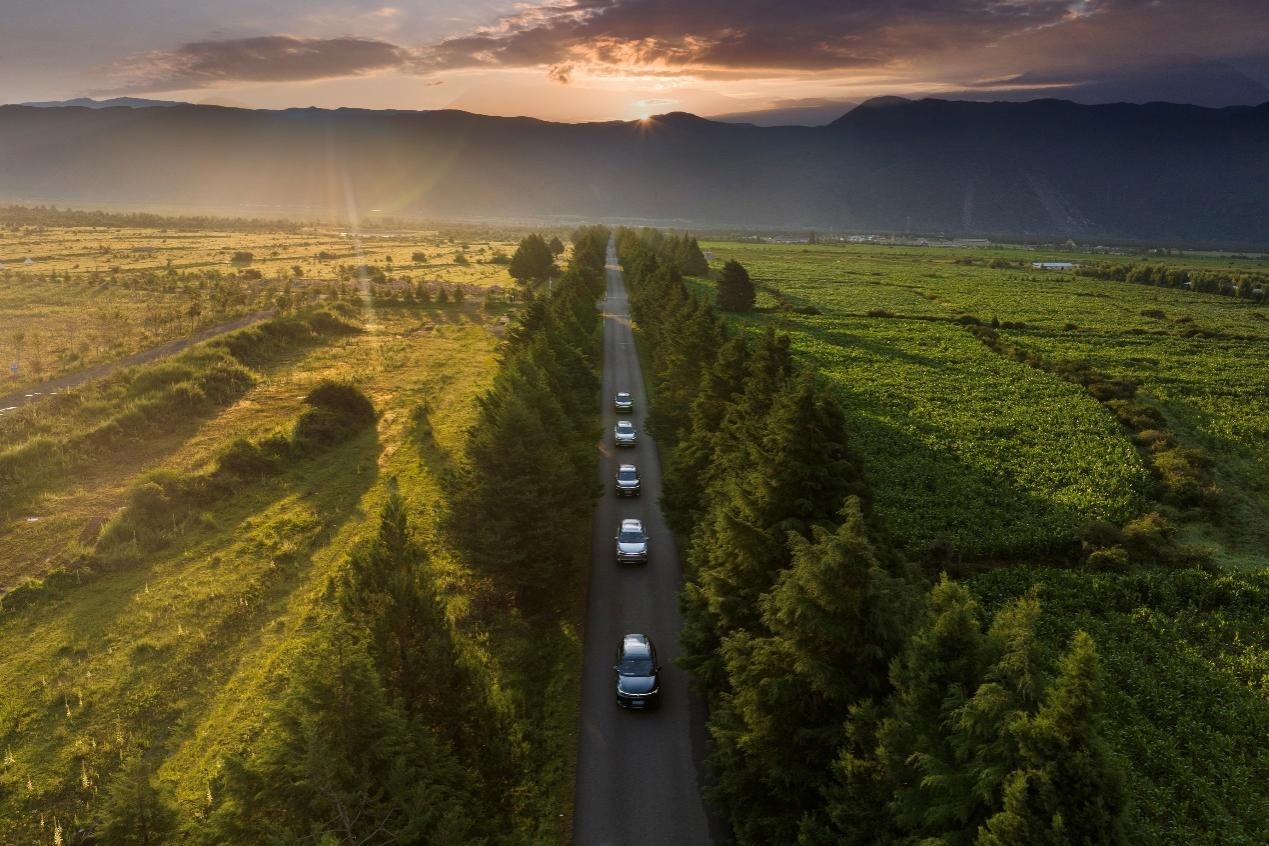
{"type": "Point", "coordinates": [638, 773]}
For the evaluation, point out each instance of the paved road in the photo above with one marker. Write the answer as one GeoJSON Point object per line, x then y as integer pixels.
{"type": "Point", "coordinates": [74, 380]}
{"type": "Point", "coordinates": [638, 773]}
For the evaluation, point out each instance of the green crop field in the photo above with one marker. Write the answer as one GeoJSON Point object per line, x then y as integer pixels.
{"type": "Point", "coordinates": [1002, 460]}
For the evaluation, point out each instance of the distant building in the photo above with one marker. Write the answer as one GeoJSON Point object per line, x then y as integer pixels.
{"type": "Point", "coordinates": [1053, 265]}
{"type": "Point", "coordinates": [29, 262]}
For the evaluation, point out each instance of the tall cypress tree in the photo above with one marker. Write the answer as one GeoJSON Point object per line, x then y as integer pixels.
{"type": "Point", "coordinates": [387, 592]}
{"type": "Point", "coordinates": [1067, 790]}
{"type": "Point", "coordinates": [792, 473]}
{"type": "Point", "coordinates": [694, 263]}
{"type": "Point", "coordinates": [339, 763]}
{"type": "Point", "coordinates": [835, 619]}
{"type": "Point", "coordinates": [735, 288]}
{"type": "Point", "coordinates": [689, 468]}
{"type": "Point", "coordinates": [938, 672]}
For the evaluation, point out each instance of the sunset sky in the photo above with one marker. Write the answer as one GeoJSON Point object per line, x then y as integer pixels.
{"type": "Point", "coordinates": [622, 59]}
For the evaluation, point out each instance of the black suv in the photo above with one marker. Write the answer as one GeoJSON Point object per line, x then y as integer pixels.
{"type": "Point", "coordinates": [638, 674]}
{"type": "Point", "coordinates": [627, 483]}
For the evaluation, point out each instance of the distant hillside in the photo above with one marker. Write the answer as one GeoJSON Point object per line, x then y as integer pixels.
{"type": "Point", "coordinates": [1042, 168]}
{"type": "Point", "coordinates": [113, 102]}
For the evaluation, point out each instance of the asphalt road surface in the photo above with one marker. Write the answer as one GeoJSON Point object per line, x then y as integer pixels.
{"type": "Point", "coordinates": [638, 773]}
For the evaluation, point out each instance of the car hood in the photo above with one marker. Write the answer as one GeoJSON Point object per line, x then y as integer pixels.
{"type": "Point", "coordinates": [627, 483]}
{"type": "Point", "coordinates": [633, 547]}
{"type": "Point", "coordinates": [636, 684]}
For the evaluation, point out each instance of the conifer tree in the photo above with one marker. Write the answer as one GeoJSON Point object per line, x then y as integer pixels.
{"type": "Point", "coordinates": [789, 469]}
{"type": "Point", "coordinates": [533, 261]}
{"type": "Point", "coordinates": [690, 466]}
{"type": "Point", "coordinates": [1067, 790]}
{"type": "Point", "coordinates": [134, 812]}
{"type": "Point", "coordinates": [939, 670]}
{"type": "Point", "coordinates": [835, 619]}
{"type": "Point", "coordinates": [735, 288]}
{"type": "Point", "coordinates": [694, 263]}
{"type": "Point", "coordinates": [340, 764]}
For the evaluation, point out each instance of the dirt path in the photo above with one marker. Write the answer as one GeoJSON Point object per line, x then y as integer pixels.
{"type": "Point", "coordinates": [74, 380]}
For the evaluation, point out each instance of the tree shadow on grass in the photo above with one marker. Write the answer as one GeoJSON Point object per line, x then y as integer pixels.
{"type": "Point", "coordinates": [101, 466]}
{"type": "Point", "coordinates": [166, 683]}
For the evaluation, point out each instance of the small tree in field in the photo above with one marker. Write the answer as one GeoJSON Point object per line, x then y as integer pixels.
{"type": "Point", "coordinates": [735, 288]}
{"type": "Point", "coordinates": [533, 261]}
{"type": "Point", "coordinates": [557, 246]}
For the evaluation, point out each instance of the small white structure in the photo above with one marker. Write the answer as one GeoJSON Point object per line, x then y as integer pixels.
{"type": "Point", "coordinates": [30, 261]}
{"type": "Point", "coordinates": [1053, 265]}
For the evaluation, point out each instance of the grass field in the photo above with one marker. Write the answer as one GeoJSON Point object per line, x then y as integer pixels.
{"type": "Point", "coordinates": [174, 649]}
{"type": "Point", "coordinates": [91, 295]}
{"type": "Point", "coordinates": [1001, 460]}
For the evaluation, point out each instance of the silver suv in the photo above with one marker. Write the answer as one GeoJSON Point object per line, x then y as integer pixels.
{"type": "Point", "coordinates": [632, 543]}
{"type": "Point", "coordinates": [627, 482]}
{"type": "Point", "coordinates": [623, 401]}
{"type": "Point", "coordinates": [623, 434]}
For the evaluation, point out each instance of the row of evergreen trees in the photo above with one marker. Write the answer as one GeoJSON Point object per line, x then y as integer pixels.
{"type": "Point", "coordinates": [389, 728]}
{"type": "Point", "coordinates": [849, 702]}
{"type": "Point", "coordinates": [530, 461]}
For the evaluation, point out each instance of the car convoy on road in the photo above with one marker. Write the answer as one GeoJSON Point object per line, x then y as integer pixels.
{"type": "Point", "coordinates": [638, 674]}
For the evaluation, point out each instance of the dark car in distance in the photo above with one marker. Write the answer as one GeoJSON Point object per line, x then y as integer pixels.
{"type": "Point", "coordinates": [638, 673]}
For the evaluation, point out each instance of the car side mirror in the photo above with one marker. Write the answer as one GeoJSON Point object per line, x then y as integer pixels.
{"type": "Point", "coordinates": [615, 668]}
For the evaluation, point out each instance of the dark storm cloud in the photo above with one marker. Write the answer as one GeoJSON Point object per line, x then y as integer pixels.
{"type": "Point", "coordinates": [272, 58]}
{"type": "Point", "coordinates": [812, 35]}
{"type": "Point", "coordinates": [951, 42]}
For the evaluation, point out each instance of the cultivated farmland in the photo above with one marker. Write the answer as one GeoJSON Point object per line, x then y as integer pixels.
{"type": "Point", "coordinates": [967, 448]}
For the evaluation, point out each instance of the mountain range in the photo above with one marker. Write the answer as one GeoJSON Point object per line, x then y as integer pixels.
{"type": "Point", "coordinates": [1045, 168]}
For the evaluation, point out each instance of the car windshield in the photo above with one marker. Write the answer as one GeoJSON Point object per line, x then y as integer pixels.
{"type": "Point", "coordinates": [623, 396]}
{"type": "Point", "coordinates": [627, 476]}
{"type": "Point", "coordinates": [630, 536]}
{"type": "Point", "coordinates": [625, 427]}
{"type": "Point", "coordinates": [635, 667]}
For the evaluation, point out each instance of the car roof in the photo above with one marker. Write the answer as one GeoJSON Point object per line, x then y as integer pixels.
{"type": "Point", "coordinates": [636, 645]}
{"type": "Point", "coordinates": [624, 424]}
{"type": "Point", "coordinates": [623, 393]}
{"type": "Point", "coordinates": [632, 524]}
{"type": "Point", "coordinates": [621, 468]}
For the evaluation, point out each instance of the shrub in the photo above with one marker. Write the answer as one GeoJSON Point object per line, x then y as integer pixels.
{"type": "Point", "coordinates": [1112, 559]}
{"type": "Point", "coordinates": [245, 460]}
{"type": "Point", "coordinates": [1148, 537]}
{"type": "Point", "coordinates": [336, 413]}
